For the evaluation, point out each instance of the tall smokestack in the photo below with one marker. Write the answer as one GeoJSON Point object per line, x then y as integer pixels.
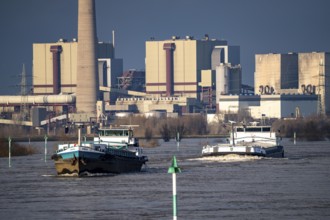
{"type": "Point", "coordinates": [87, 75]}
{"type": "Point", "coordinates": [56, 50]}
{"type": "Point", "coordinates": [169, 48]}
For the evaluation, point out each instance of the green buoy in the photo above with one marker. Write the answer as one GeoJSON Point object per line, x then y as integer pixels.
{"type": "Point", "coordinates": [174, 169]}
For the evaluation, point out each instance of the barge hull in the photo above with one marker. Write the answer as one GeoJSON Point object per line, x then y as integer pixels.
{"type": "Point", "coordinates": [276, 151]}
{"type": "Point", "coordinates": [108, 164]}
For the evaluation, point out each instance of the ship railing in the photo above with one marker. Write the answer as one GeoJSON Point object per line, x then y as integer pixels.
{"type": "Point", "coordinates": [63, 147]}
{"type": "Point", "coordinates": [113, 144]}
{"type": "Point", "coordinates": [242, 140]}
{"type": "Point", "coordinates": [120, 152]}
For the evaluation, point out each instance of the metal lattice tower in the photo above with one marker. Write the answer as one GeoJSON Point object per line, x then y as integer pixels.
{"type": "Point", "coordinates": [24, 111]}
{"type": "Point", "coordinates": [321, 89]}
{"type": "Point", "coordinates": [132, 80]}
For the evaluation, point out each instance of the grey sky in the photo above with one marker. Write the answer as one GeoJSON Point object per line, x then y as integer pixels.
{"type": "Point", "coordinates": [257, 26]}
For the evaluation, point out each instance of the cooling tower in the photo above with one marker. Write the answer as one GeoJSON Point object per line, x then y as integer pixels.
{"type": "Point", "coordinates": [87, 76]}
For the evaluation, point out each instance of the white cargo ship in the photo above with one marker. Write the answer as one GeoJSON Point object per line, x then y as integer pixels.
{"type": "Point", "coordinates": [248, 140]}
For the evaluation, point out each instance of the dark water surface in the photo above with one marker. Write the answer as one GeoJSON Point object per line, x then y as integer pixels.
{"type": "Point", "coordinates": [296, 187]}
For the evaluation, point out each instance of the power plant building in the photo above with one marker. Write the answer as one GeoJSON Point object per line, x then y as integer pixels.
{"type": "Point", "coordinates": [275, 73]}
{"type": "Point", "coordinates": [56, 72]}
{"type": "Point", "coordinates": [294, 73]}
{"type": "Point", "coordinates": [181, 75]}
{"type": "Point", "coordinates": [173, 67]}
{"type": "Point", "coordinates": [269, 106]}
{"type": "Point", "coordinates": [228, 80]}
{"type": "Point", "coordinates": [314, 76]}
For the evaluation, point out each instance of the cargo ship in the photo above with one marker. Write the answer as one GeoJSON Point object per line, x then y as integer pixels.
{"type": "Point", "coordinates": [248, 140]}
{"type": "Point", "coordinates": [113, 151]}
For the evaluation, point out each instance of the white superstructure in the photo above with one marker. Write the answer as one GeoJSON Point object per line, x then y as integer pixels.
{"type": "Point", "coordinates": [248, 140]}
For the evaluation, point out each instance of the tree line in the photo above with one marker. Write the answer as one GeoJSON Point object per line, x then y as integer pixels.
{"type": "Point", "coordinates": [309, 129]}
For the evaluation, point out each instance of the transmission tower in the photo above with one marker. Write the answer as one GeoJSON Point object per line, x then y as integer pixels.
{"type": "Point", "coordinates": [321, 90]}
{"type": "Point", "coordinates": [24, 111]}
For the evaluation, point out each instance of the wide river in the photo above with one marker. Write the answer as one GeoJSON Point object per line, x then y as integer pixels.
{"type": "Point", "coordinates": [295, 187]}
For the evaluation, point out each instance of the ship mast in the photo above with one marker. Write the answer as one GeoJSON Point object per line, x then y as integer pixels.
{"type": "Point", "coordinates": [232, 131]}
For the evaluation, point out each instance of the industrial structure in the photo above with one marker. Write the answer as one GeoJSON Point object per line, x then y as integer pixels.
{"type": "Point", "coordinates": [132, 80]}
{"type": "Point", "coordinates": [314, 78]}
{"type": "Point", "coordinates": [55, 72]}
{"type": "Point", "coordinates": [275, 73]}
{"type": "Point", "coordinates": [295, 73]}
{"type": "Point", "coordinates": [182, 75]}
{"type": "Point", "coordinates": [186, 69]}
{"type": "Point", "coordinates": [174, 67]}
{"type": "Point", "coordinates": [146, 104]}
{"type": "Point", "coordinates": [65, 74]}
{"type": "Point", "coordinates": [269, 106]}
{"type": "Point", "coordinates": [87, 78]}
{"type": "Point", "coordinates": [59, 76]}
{"type": "Point", "coordinates": [285, 84]}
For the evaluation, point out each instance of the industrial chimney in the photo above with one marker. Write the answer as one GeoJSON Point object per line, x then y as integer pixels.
{"type": "Point", "coordinates": [169, 48]}
{"type": "Point", "coordinates": [87, 75]}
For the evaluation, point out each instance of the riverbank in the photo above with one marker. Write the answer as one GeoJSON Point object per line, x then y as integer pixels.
{"type": "Point", "coordinates": [90, 138]}
{"type": "Point", "coordinates": [303, 129]}
{"type": "Point", "coordinates": [16, 149]}
{"type": "Point", "coordinates": [19, 150]}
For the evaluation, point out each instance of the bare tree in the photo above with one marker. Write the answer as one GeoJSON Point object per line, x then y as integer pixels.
{"type": "Point", "coordinates": [165, 132]}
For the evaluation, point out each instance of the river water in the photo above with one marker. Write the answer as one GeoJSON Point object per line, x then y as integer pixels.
{"type": "Point", "coordinates": [295, 187]}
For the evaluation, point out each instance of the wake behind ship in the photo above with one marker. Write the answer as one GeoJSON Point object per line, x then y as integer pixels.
{"type": "Point", "coordinates": [115, 151]}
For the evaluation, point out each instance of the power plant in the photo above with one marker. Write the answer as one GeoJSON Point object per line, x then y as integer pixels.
{"type": "Point", "coordinates": [82, 90]}
{"type": "Point", "coordinates": [286, 85]}
{"type": "Point", "coordinates": [81, 80]}
{"type": "Point", "coordinates": [174, 67]}
{"type": "Point", "coordinates": [294, 73]}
